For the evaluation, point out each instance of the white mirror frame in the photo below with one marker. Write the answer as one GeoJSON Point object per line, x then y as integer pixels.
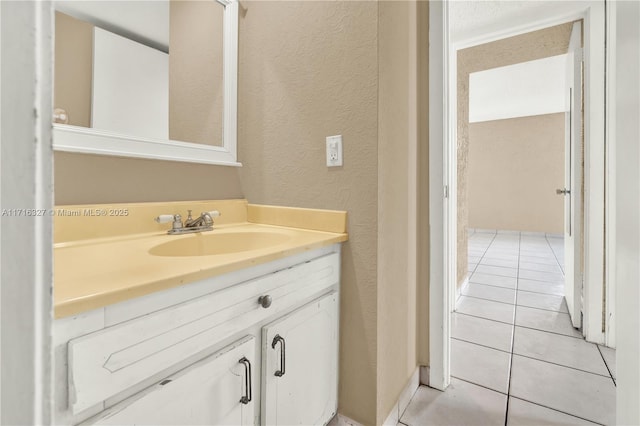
{"type": "Point", "coordinates": [100, 142]}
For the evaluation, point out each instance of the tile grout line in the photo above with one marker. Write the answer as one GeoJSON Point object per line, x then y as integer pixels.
{"type": "Point", "coordinates": [477, 264]}
{"type": "Point", "coordinates": [513, 288]}
{"type": "Point", "coordinates": [562, 365]}
{"type": "Point", "coordinates": [533, 358]}
{"type": "Point", "coordinates": [508, 303]}
{"type": "Point", "coordinates": [554, 254]}
{"type": "Point", "coordinates": [606, 365]}
{"type": "Point", "coordinates": [484, 253]}
{"type": "Point", "coordinates": [555, 409]}
{"type": "Point", "coordinates": [523, 326]}
{"type": "Point", "coordinates": [550, 332]}
{"type": "Point", "coordinates": [513, 334]}
{"type": "Point", "coordinates": [552, 282]}
{"type": "Point", "coordinates": [488, 319]}
{"type": "Point", "coordinates": [479, 385]}
{"type": "Point", "coordinates": [480, 344]}
{"type": "Point", "coordinates": [539, 270]}
{"type": "Point", "coordinates": [529, 279]}
{"type": "Point", "coordinates": [488, 300]}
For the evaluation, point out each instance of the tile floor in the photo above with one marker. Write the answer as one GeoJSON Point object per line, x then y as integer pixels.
{"type": "Point", "coordinates": [515, 357]}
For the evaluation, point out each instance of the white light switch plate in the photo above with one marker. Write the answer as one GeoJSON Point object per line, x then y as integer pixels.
{"type": "Point", "coordinates": [334, 151]}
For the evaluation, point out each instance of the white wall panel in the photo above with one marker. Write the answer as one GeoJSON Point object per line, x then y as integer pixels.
{"type": "Point", "coordinates": [130, 87]}
{"type": "Point", "coordinates": [520, 90]}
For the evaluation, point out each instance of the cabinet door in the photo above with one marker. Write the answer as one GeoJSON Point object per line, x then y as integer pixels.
{"type": "Point", "coordinates": [213, 391]}
{"type": "Point", "coordinates": [300, 365]}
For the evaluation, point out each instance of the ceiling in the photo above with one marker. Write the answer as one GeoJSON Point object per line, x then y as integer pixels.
{"type": "Point", "coordinates": [469, 19]}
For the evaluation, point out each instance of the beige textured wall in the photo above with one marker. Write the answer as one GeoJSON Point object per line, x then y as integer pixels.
{"type": "Point", "coordinates": [396, 321]}
{"type": "Point", "coordinates": [515, 166]}
{"type": "Point", "coordinates": [305, 75]}
{"type": "Point", "coordinates": [73, 68]}
{"type": "Point", "coordinates": [88, 179]}
{"type": "Point", "coordinates": [195, 62]}
{"type": "Point", "coordinates": [309, 70]}
{"type": "Point", "coordinates": [422, 188]}
{"type": "Point", "coordinates": [526, 47]}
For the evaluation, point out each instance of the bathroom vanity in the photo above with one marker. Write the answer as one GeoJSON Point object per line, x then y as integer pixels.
{"type": "Point", "coordinates": [236, 325]}
{"type": "Point", "coordinates": [248, 336]}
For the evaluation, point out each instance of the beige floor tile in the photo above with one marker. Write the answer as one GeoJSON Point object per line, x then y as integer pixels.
{"type": "Point", "coordinates": [523, 413]}
{"type": "Point", "coordinates": [563, 350]}
{"type": "Point", "coordinates": [486, 309]}
{"type": "Point", "coordinates": [480, 365]}
{"type": "Point", "coordinates": [574, 392]}
{"type": "Point", "coordinates": [462, 404]}
{"type": "Point", "coordinates": [555, 322]}
{"type": "Point", "coordinates": [489, 292]}
{"type": "Point", "coordinates": [550, 302]}
{"type": "Point", "coordinates": [496, 280]}
{"type": "Point", "coordinates": [482, 331]}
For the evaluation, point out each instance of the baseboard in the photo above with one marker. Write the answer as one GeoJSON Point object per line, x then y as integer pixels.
{"type": "Point", "coordinates": [424, 375]}
{"type": "Point", "coordinates": [507, 232]}
{"type": "Point", "coordinates": [552, 235]}
{"type": "Point", "coordinates": [403, 401]}
{"type": "Point", "coordinates": [340, 420]}
{"type": "Point", "coordinates": [485, 231]}
{"type": "Point", "coordinates": [461, 288]}
{"type": "Point", "coordinates": [419, 377]}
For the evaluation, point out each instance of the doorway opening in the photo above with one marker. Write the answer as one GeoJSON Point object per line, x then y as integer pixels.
{"type": "Point", "coordinates": [517, 259]}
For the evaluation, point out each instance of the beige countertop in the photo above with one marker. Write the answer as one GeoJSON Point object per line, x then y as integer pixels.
{"type": "Point", "coordinates": [95, 272]}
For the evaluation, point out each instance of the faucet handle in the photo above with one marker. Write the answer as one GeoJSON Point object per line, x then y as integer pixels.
{"type": "Point", "coordinates": [189, 215]}
{"type": "Point", "coordinates": [208, 216]}
{"type": "Point", "coordinates": [164, 218]}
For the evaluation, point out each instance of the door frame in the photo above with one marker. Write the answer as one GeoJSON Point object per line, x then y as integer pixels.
{"type": "Point", "coordinates": [26, 245]}
{"type": "Point", "coordinates": [443, 167]}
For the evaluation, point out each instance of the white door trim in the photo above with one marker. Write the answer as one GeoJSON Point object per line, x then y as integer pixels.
{"type": "Point", "coordinates": [440, 225]}
{"type": "Point", "coordinates": [442, 142]}
{"type": "Point", "coordinates": [26, 246]}
{"type": "Point", "coordinates": [610, 206]}
{"type": "Point", "coordinates": [573, 143]}
{"type": "Point", "coordinates": [594, 172]}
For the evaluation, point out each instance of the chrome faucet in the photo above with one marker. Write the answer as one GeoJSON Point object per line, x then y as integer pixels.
{"type": "Point", "coordinates": [201, 224]}
{"type": "Point", "coordinates": [205, 219]}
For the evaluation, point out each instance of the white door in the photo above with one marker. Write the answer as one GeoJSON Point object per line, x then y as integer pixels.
{"type": "Point", "coordinates": [572, 191]}
{"type": "Point", "coordinates": [300, 365]}
{"type": "Point", "coordinates": [214, 391]}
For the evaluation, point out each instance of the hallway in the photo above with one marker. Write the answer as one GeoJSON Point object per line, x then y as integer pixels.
{"type": "Point", "coordinates": [515, 357]}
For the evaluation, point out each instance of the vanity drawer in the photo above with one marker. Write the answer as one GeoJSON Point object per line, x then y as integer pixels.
{"type": "Point", "coordinates": [107, 362]}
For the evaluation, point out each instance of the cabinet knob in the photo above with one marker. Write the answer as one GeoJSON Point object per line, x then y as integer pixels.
{"type": "Point", "coordinates": [265, 301]}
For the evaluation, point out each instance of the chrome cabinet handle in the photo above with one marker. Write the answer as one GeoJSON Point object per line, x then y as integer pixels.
{"type": "Point", "coordinates": [563, 191]}
{"type": "Point", "coordinates": [278, 338]}
{"type": "Point", "coordinates": [265, 301]}
{"type": "Point", "coordinates": [247, 380]}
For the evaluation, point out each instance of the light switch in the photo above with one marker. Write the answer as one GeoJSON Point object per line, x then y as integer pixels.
{"type": "Point", "coordinates": [334, 151]}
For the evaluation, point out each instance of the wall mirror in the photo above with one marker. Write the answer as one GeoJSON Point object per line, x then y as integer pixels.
{"type": "Point", "coordinates": [148, 79]}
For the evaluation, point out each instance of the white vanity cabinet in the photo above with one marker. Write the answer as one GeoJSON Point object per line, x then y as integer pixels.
{"type": "Point", "coordinates": [203, 353]}
{"type": "Point", "coordinates": [299, 374]}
